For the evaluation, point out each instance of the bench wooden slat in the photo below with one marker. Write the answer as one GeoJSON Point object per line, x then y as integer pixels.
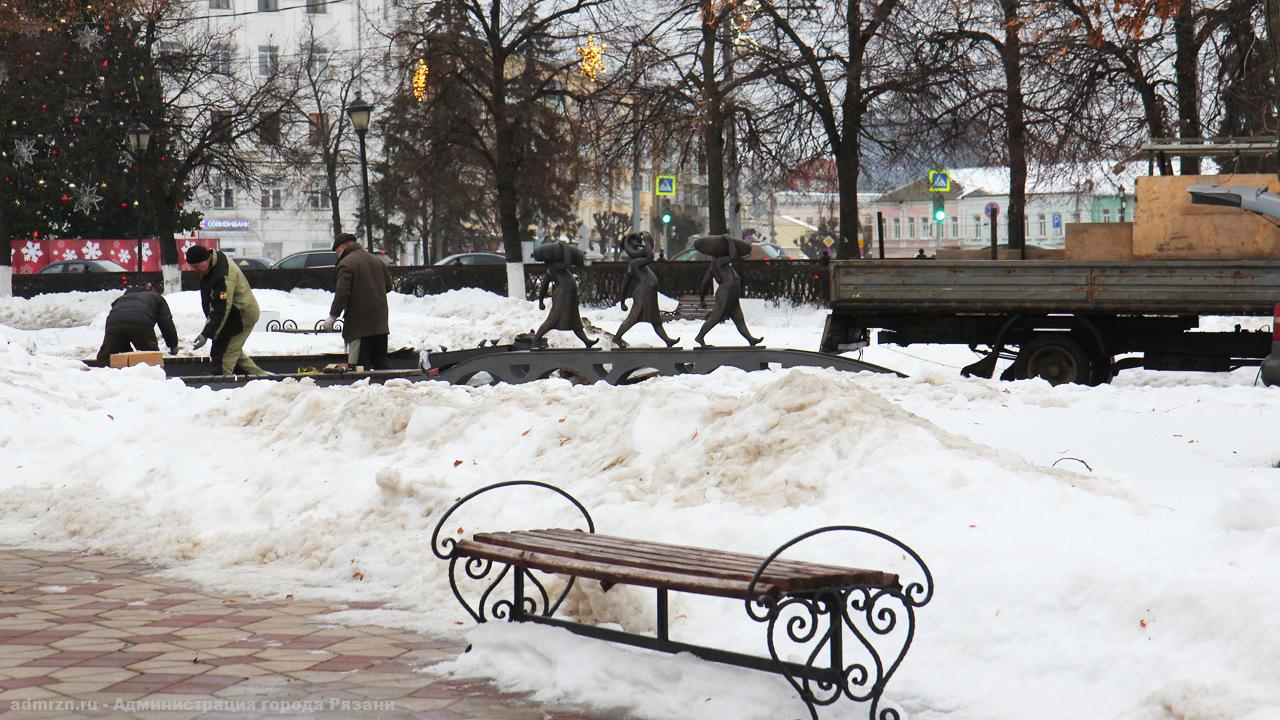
{"type": "Point", "coordinates": [621, 555]}
{"type": "Point", "coordinates": [730, 559]}
{"type": "Point", "coordinates": [609, 572]}
{"type": "Point", "coordinates": [622, 560]}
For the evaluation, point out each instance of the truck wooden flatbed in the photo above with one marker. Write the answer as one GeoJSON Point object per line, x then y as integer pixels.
{"type": "Point", "coordinates": [1070, 321]}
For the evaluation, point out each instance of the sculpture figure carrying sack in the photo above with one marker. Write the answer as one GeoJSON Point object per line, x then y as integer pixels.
{"type": "Point", "coordinates": [564, 315]}
{"type": "Point", "coordinates": [725, 251]}
{"type": "Point", "coordinates": [643, 286]}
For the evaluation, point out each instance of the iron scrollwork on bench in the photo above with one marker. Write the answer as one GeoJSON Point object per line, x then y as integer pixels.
{"type": "Point", "coordinates": [851, 626]}
{"type": "Point", "coordinates": [499, 605]}
{"type": "Point", "coordinates": [818, 622]}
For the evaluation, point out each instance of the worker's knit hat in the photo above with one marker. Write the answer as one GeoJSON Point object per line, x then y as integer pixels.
{"type": "Point", "coordinates": [197, 254]}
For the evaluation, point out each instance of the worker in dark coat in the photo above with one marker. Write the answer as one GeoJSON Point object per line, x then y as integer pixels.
{"type": "Point", "coordinates": [131, 323]}
{"type": "Point", "coordinates": [643, 286]}
{"type": "Point", "coordinates": [564, 314]}
{"type": "Point", "coordinates": [231, 309]}
{"type": "Point", "coordinates": [361, 299]}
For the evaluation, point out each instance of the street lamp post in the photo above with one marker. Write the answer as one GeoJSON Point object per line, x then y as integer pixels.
{"type": "Point", "coordinates": [359, 110]}
{"type": "Point", "coordinates": [139, 139]}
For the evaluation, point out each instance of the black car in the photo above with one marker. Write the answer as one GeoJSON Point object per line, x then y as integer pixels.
{"type": "Point", "coordinates": [252, 263]}
{"type": "Point", "coordinates": [307, 259]}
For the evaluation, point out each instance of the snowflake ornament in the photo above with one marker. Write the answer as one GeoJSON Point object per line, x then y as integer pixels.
{"type": "Point", "coordinates": [88, 38]}
{"type": "Point", "coordinates": [187, 246]}
{"type": "Point", "coordinates": [146, 252]}
{"type": "Point", "coordinates": [87, 199]}
{"type": "Point", "coordinates": [32, 251]}
{"type": "Point", "coordinates": [69, 254]}
{"type": "Point", "coordinates": [24, 151]}
{"type": "Point", "coordinates": [125, 256]}
{"type": "Point", "coordinates": [92, 251]}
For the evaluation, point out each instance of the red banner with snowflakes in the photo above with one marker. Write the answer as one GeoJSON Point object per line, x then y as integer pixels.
{"type": "Point", "coordinates": [31, 256]}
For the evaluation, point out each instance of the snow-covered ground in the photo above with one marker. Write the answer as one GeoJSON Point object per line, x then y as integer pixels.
{"type": "Point", "coordinates": [1103, 552]}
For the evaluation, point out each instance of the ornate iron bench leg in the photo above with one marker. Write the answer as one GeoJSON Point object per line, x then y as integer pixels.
{"type": "Point", "coordinates": [528, 595]}
{"type": "Point", "coordinates": [863, 632]}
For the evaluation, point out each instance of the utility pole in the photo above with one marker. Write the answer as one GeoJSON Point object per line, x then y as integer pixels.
{"type": "Point", "coordinates": [635, 172]}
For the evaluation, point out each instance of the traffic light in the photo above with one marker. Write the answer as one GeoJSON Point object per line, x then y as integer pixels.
{"type": "Point", "coordinates": [666, 217]}
{"type": "Point", "coordinates": [939, 210]}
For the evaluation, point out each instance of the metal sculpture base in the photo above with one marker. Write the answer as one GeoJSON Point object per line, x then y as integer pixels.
{"type": "Point", "coordinates": [618, 367]}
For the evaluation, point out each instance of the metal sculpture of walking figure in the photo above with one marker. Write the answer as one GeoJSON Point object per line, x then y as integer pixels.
{"type": "Point", "coordinates": [564, 314]}
{"type": "Point", "coordinates": [725, 251]}
{"type": "Point", "coordinates": [643, 286]}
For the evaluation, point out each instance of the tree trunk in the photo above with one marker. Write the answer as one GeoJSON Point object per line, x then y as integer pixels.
{"type": "Point", "coordinates": [713, 124]}
{"type": "Point", "coordinates": [508, 212]}
{"type": "Point", "coordinates": [331, 187]}
{"type": "Point", "coordinates": [1185, 69]}
{"type": "Point", "coordinates": [1273, 36]}
{"type": "Point", "coordinates": [1015, 125]}
{"type": "Point", "coordinates": [848, 145]}
{"type": "Point", "coordinates": [6, 257]}
{"type": "Point", "coordinates": [1151, 106]}
{"type": "Point", "coordinates": [166, 211]}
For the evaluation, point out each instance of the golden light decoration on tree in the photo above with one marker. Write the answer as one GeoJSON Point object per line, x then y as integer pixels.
{"type": "Point", "coordinates": [592, 55]}
{"type": "Point", "coordinates": [420, 75]}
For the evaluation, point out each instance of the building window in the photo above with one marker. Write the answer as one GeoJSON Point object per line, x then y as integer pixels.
{"type": "Point", "coordinates": [271, 195]}
{"type": "Point", "coordinates": [977, 227]}
{"type": "Point", "coordinates": [219, 4]}
{"type": "Point", "coordinates": [1044, 228]}
{"type": "Point", "coordinates": [220, 123]}
{"type": "Point", "coordinates": [269, 129]}
{"type": "Point", "coordinates": [318, 60]}
{"type": "Point", "coordinates": [955, 227]}
{"type": "Point", "coordinates": [926, 228]}
{"type": "Point", "coordinates": [897, 228]}
{"type": "Point", "coordinates": [911, 228]}
{"type": "Point", "coordinates": [224, 195]}
{"type": "Point", "coordinates": [267, 6]}
{"type": "Point", "coordinates": [268, 59]}
{"type": "Point", "coordinates": [317, 194]}
{"type": "Point", "coordinates": [319, 128]}
{"type": "Point", "coordinates": [1106, 215]}
{"type": "Point", "coordinates": [220, 59]}
{"type": "Point", "coordinates": [168, 48]}
{"type": "Point", "coordinates": [317, 7]}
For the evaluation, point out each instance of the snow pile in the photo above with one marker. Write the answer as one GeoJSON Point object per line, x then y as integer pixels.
{"type": "Point", "coordinates": [1135, 581]}
{"type": "Point", "coordinates": [56, 310]}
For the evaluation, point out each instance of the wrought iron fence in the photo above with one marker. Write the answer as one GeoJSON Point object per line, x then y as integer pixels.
{"type": "Point", "coordinates": [796, 282]}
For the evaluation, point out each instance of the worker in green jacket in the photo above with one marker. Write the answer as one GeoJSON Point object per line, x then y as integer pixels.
{"type": "Point", "coordinates": [231, 309]}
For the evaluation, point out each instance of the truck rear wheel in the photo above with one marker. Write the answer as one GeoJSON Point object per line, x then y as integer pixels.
{"type": "Point", "coordinates": [1055, 357]}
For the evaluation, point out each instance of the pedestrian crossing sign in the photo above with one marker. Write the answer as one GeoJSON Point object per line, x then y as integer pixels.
{"type": "Point", "coordinates": [665, 186]}
{"type": "Point", "coordinates": [939, 181]}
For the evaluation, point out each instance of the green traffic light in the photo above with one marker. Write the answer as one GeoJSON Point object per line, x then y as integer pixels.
{"type": "Point", "coordinates": [666, 218]}
{"type": "Point", "coordinates": [939, 215]}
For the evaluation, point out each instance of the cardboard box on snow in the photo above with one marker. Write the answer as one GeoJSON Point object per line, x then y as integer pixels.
{"type": "Point", "coordinates": [141, 357]}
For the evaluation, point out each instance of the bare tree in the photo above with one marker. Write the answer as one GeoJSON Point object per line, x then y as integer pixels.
{"type": "Point", "coordinates": [512, 58]}
{"type": "Point", "coordinates": [206, 113]}
{"type": "Point", "coordinates": [327, 83]}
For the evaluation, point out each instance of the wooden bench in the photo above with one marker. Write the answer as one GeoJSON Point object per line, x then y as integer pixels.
{"type": "Point", "coordinates": [855, 625]}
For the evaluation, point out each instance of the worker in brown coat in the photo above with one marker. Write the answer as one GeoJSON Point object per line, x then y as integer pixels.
{"type": "Point", "coordinates": [361, 298]}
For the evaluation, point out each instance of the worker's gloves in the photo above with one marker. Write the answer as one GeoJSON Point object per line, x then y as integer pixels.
{"type": "Point", "coordinates": [173, 349]}
{"type": "Point", "coordinates": [199, 342]}
{"type": "Point", "coordinates": [327, 325]}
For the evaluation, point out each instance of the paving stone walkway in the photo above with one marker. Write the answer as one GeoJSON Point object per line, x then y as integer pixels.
{"type": "Point", "coordinates": [91, 636]}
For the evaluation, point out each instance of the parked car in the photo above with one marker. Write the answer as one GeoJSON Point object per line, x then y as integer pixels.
{"type": "Point", "coordinates": [759, 251]}
{"type": "Point", "coordinates": [319, 258]}
{"type": "Point", "coordinates": [473, 258]}
{"type": "Point", "coordinates": [307, 259]}
{"type": "Point", "coordinates": [252, 263]}
{"type": "Point", "coordinates": [79, 266]}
